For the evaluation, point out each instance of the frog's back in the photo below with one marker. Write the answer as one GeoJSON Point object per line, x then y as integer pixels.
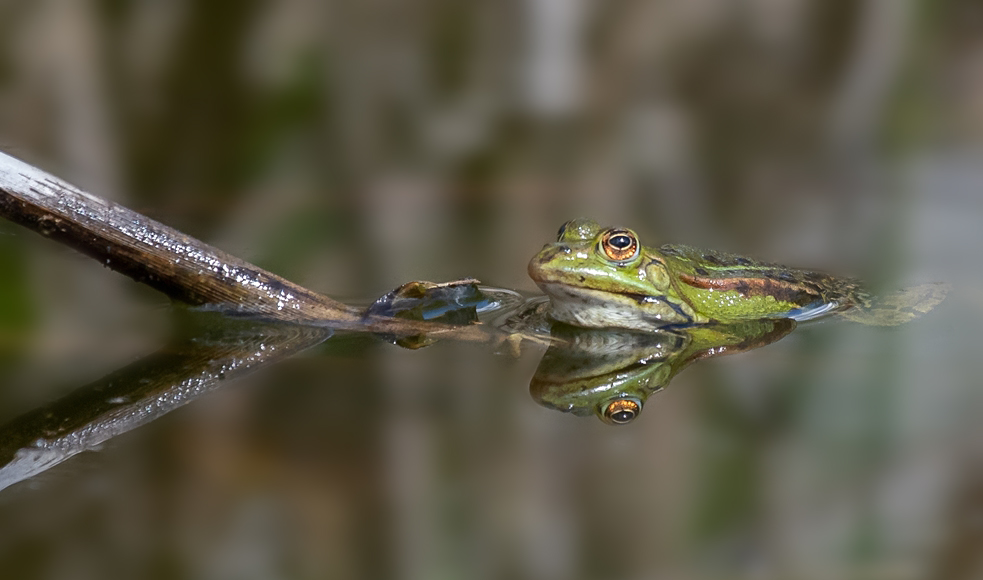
{"type": "Point", "coordinates": [795, 293]}
{"type": "Point", "coordinates": [732, 287]}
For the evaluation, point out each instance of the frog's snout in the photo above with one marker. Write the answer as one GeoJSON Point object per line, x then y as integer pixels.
{"type": "Point", "coordinates": [546, 256]}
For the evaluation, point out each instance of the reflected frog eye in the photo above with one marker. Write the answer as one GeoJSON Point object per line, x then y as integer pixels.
{"type": "Point", "coordinates": [622, 411]}
{"type": "Point", "coordinates": [619, 245]}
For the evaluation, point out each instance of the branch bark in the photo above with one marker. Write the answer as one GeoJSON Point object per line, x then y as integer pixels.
{"type": "Point", "coordinates": [178, 265]}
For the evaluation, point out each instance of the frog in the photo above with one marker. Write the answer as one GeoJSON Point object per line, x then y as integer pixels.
{"type": "Point", "coordinates": [603, 277]}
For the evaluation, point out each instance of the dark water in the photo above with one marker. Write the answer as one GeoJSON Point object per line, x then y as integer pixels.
{"type": "Point", "coordinates": [221, 448]}
{"type": "Point", "coordinates": [840, 448]}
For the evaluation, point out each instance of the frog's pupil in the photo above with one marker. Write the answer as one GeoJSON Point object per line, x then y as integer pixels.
{"type": "Point", "coordinates": [622, 416]}
{"type": "Point", "coordinates": [620, 241]}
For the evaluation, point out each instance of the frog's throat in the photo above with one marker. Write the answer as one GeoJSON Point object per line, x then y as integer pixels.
{"type": "Point", "coordinates": [596, 309]}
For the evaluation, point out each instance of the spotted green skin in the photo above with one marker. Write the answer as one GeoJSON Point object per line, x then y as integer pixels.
{"type": "Point", "coordinates": [675, 285]}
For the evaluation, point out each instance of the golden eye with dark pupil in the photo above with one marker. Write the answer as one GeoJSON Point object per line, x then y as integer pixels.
{"type": "Point", "coordinates": [622, 411]}
{"type": "Point", "coordinates": [619, 245]}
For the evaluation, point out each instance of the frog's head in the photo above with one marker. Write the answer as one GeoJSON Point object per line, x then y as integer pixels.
{"type": "Point", "coordinates": [604, 277]}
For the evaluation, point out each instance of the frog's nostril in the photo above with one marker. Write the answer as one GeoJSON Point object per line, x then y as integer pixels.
{"type": "Point", "coordinates": [550, 252]}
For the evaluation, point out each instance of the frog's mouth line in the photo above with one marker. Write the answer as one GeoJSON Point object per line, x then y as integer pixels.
{"type": "Point", "coordinates": [611, 389]}
{"type": "Point", "coordinates": [646, 299]}
{"type": "Point", "coordinates": [635, 369]}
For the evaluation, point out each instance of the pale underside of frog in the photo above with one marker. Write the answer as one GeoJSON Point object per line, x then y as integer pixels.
{"type": "Point", "coordinates": [604, 278]}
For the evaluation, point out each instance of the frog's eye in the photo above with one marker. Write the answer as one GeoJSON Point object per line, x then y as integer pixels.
{"type": "Point", "coordinates": [621, 411]}
{"type": "Point", "coordinates": [620, 245]}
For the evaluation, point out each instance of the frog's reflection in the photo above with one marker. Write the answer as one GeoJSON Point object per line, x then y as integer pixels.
{"type": "Point", "coordinates": [611, 373]}
{"type": "Point", "coordinates": [606, 372]}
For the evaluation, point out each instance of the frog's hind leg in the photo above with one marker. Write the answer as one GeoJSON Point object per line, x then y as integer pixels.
{"type": "Point", "coordinates": [814, 312]}
{"type": "Point", "coordinates": [899, 307]}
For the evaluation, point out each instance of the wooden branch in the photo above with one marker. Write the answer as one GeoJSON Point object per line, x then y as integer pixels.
{"type": "Point", "coordinates": [178, 265]}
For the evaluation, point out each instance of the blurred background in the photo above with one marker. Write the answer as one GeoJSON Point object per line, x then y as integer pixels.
{"type": "Point", "coordinates": [351, 146]}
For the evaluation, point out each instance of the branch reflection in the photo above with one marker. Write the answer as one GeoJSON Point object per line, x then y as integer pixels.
{"type": "Point", "coordinates": [215, 350]}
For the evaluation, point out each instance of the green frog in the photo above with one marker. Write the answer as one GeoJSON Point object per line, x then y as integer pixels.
{"type": "Point", "coordinates": [605, 278]}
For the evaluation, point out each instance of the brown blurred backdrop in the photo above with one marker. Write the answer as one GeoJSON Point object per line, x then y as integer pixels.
{"type": "Point", "coordinates": [354, 145]}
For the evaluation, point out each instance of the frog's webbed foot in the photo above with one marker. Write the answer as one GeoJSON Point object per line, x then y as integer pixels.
{"type": "Point", "coordinates": [900, 307]}
{"type": "Point", "coordinates": [451, 304]}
